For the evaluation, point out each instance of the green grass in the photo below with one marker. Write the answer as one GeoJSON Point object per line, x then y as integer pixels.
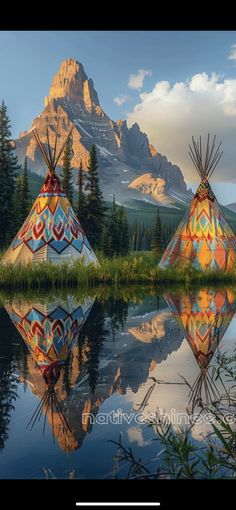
{"type": "Point", "coordinates": [181, 457]}
{"type": "Point", "coordinates": [136, 268]}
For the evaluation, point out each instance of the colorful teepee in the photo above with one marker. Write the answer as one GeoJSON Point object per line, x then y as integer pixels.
{"type": "Point", "coordinates": [204, 316]}
{"type": "Point", "coordinates": [50, 332]}
{"type": "Point", "coordinates": [204, 238]}
{"type": "Point", "coordinates": [51, 232]}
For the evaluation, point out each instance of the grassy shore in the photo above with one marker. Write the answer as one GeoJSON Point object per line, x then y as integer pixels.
{"type": "Point", "coordinates": [135, 268]}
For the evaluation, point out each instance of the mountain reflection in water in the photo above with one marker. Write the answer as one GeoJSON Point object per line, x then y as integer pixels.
{"type": "Point", "coordinates": [75, 357]}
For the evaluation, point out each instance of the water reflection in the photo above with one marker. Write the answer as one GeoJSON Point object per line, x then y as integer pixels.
{"type": "Point", "coordinates": [204, 316]}
{"type": "Point", "coordinates": [81, 357]}
{"type": "Point", "coordinates": [50, 331]}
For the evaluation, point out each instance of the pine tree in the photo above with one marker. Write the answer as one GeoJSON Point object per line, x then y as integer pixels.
{"type": "Point", "coordinates": [105, 242]}
{"type": "Point", "coordinates": [157, 245]}
{"type": "Point", "coordinates": [8, 169]}
{"type": "Point", "coordinates": [115, 236]}
{"type": "Point", "coordinates": [82, 204]}
{"type": "Point", "coordinates": [124, 231]}
{"type": "Point", "coordinates": [9, 352]}
{"type": "Point", "coordinates": [22, 199]}
{"type": "Point", "coordinates": [115, 229]}
{"type": "Point", "coordinates": [67, 180]}
{"type": "Point", "coordinates": [93, 333]}
{"type": "Point", "coordinates": [95, 203]}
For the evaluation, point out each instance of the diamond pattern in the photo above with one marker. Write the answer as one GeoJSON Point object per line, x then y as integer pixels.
{"type": "Point", "coordinates": [204, 237]}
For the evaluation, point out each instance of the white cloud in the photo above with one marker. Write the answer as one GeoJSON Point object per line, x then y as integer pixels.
{"type": "Point", "coordinates": [135, 435]}
{"type": "Point", "coordinates": [232, 55]}
{"type": "Point", "coordinates": [119, 100]}
{"type": "Point", "coordinates": [171, 114]}
{"type": "Point", "coordinates": [136, 80]}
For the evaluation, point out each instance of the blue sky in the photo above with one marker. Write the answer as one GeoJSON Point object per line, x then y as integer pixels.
{"type": "Point", "coordinates": [29, 60]}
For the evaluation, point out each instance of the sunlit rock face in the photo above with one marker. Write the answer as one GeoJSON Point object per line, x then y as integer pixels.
{"type": "Point", "coordinates": [71, 81]}
{"type": "Point", "coordinates": [124, 152]}
{"type": "Point", "coordinates": [152, 186]}
{"type": "Point", "coordinates": [155, 329]}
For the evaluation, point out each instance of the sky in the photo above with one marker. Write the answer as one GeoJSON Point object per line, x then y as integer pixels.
{"type": "Point", "coordinates": [174, 84]}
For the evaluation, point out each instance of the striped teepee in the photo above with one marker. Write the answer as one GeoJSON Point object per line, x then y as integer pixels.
{"type": "Point", "coordinates": [51, 232]}
{"type": "Point", "coordinates": [204, 316]}
{"type": "Point", "coordinates": [204, 238]}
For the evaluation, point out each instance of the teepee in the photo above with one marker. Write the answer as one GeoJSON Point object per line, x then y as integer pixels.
{"type": "Point", "coordinates": [50, 332]}
{"type": "Point", "coordinates": [51, 232]}
{"type": "Point", "coordinates": [204, 316]}
{"type": "Point", "coordinates": [204, 238]}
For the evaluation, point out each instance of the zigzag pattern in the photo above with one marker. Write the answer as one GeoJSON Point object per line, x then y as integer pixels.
{"type": "Point", "coordinates": [204, 237]}
{"type": "Point", "coordinates": [51, 222]}
{"type": "Point", "coordinates": [204, 317]}
{"type": "Point", "coordinates": [50, 336]}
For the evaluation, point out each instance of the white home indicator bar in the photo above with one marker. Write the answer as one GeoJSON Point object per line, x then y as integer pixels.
{"type": "Point", "coordinates": [119, 504]}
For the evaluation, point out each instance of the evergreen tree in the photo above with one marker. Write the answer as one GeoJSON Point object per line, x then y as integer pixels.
{"type": "Point", "coordinates": [157, 245]}
{"type": "Point", "coordinates": [67, 181]}
{"type": "Point", "coordinates": [9, 364]}
{"type": "Point", "coordinates": [94, 332]}
{"type": "Point", "coordinates": [105, 242]}
{"type": "Point", "coordinates": [22, 199]}
{"type": "Point", "coordinates": [117, 312]}
{"type": "Point", "coordinates": [95, 203]}
{"type": "Point", "coordinates": [8, 169]}
{"type": "Point", "coordinates": [115, 236]}
{"type": "Point", "coordinates": [82, 204]}
{"type": "Point", "coordinates": [124, 231]}
{"type": "Point", "coordinates": [115, 229]}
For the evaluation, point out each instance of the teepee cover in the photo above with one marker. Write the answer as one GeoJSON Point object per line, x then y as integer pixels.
{"type": "Point", "coordinates": [204, 317]}
{"type": "Point", "coordinates": [51, 232]}
{"type": "Point", "coordinates": [204, 238]}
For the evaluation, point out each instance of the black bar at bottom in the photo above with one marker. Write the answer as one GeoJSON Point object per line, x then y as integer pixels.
{"type": "Point", "coordinates": [64, 494]}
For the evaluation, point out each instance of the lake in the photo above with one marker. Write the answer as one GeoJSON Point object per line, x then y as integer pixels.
{"type": "Point", "coordinates": [81, 375]}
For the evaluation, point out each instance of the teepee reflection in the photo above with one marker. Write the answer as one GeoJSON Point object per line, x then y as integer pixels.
{"type": "Point", "coordinates": [203, 315]}
{"type": "Point", "coordinates": [50, 332]}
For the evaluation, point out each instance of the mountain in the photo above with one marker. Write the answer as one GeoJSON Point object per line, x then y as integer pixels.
{"type": "Point", "coordinates": [129, 165]}
{"type": "Point", "coordinates": [232, 207]}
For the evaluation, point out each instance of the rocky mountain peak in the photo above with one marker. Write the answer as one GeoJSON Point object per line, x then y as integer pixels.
{"type": "Point", "coordinates": [71, 82]}
{"type": "Point", "coordinates": [128, 165]}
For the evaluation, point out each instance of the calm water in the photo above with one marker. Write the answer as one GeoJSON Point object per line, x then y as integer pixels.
{"type": "Point", "coordinates": [77, 374]}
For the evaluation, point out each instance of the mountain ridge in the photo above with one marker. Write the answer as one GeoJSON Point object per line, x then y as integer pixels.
{"type": "Point", "coordinates": [124, 153]}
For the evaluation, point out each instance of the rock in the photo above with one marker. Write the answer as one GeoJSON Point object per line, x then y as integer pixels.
{"type": "Point", "coordinates": [123, 153]}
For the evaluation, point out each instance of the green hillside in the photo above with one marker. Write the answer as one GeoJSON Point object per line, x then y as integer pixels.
{"type": "Point", "coordinates": [143, 212]}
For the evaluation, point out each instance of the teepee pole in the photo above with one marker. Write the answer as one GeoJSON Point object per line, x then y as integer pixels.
{"type": "Point", "coordinates": [212, 156]}
{"type": "Point", "coordinates": [49, 149]}
{"type": "Point", "coordinates": [42, 149]}
{"type": "Point", "coordinates": [207, 151]}
{"type": "Point", "coordinates": [210, 153]}
{"type": "Point", "coordinates": [214, 159]}
{"type": "Point", "coordinates": [56, 138]}
{"type": "Point", "coordinates": [62, 148]}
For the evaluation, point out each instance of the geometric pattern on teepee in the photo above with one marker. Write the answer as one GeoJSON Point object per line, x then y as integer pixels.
{"type": "Point", "coordinates": [203, 315]}
{"type": "Point", "coordinates": [52, 224]}
{"type": "Point", "coordinates": [51, 230]}
{"type": "Point", "coordinates": [50, 334]}
{"type": "Point", "coordinates": [204, 238]}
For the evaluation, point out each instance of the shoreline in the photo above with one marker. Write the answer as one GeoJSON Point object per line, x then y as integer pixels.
{"type": "Point", "coordinates": [137, 268]}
